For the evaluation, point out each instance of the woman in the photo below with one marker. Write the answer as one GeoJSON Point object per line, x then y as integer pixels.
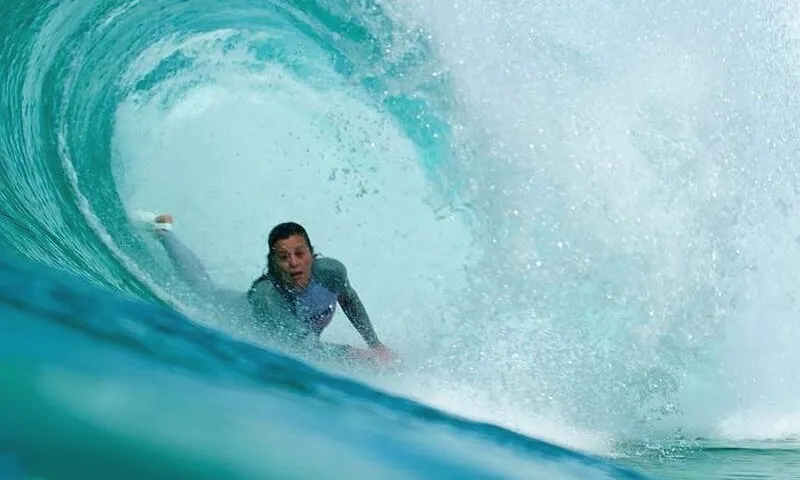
{"type": "Point", "coordinates": [297, 296]}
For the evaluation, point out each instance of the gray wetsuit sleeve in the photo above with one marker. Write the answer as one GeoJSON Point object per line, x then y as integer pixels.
{"type": "Point", "coordinates": [191, 269]}
{"type": "Point", "coordinates": [333, 275]}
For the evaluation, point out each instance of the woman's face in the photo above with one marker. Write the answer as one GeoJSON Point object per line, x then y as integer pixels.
{"type": "Point", "coordinates": [293, 258]}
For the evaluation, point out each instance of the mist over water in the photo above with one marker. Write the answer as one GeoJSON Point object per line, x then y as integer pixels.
{"type": "Point", "coordinates": [635, 184]}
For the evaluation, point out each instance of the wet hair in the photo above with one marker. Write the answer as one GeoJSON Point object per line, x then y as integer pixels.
{"type": "Point", "coordinates": [279, 232]}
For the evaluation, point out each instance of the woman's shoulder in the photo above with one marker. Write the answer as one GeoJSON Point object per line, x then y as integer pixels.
{"type": "Point", "coordinates": [330, 272]}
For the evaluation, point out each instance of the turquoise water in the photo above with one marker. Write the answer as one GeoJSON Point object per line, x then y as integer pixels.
{"type": "Point", "coordinates": [574, 222]}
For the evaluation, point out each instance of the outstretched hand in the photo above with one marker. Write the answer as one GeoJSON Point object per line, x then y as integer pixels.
{"type": "Point", "coordinates": [377, 355]}
{"type": "Point", "coordinates": [384, 354]}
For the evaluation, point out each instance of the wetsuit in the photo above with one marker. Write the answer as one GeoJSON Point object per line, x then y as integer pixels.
{"type": "Point", "coordinates": [295, 318]}
{"type": "Point", "coordinates": [300, 316]}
